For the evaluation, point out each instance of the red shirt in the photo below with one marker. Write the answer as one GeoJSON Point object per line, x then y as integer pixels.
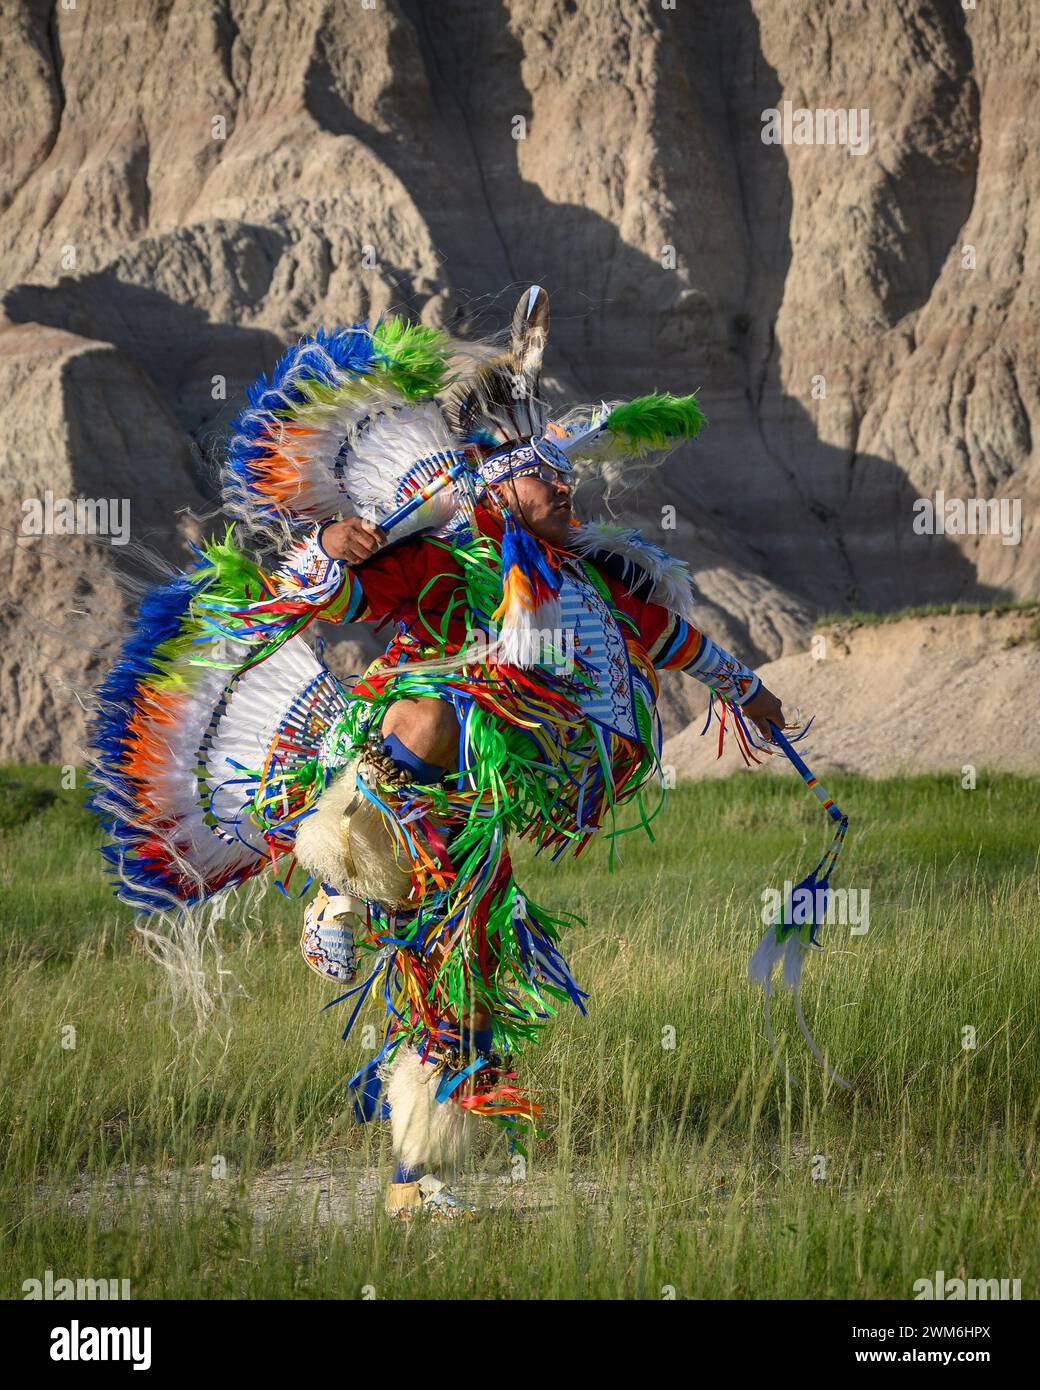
{"type": "Point", "coordinates": [419, 582]}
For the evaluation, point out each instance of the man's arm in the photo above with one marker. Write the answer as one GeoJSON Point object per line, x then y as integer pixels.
{"type": "Point", "coordinates": [674, 644]}
{"type": "Point", "coordinates": [312, 570]}
{"type": "Point", "coordinates": [359, 578]}
{"type": "Point", "coordinates": [681, 647]}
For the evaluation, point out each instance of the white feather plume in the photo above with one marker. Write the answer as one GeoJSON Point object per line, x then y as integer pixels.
{"type": "Point", "coordinates": [672, 580]}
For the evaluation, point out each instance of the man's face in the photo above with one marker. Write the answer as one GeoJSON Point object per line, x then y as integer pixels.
{"type": "Point", "coordinates": [541, 502]}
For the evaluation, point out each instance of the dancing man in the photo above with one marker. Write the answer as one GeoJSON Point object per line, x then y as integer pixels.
{"type": "Point", "coordinates": [517, 699]}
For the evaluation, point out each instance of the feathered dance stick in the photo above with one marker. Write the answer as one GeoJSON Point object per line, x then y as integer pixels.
{"type": "Point", "coordinates": [801, 914]}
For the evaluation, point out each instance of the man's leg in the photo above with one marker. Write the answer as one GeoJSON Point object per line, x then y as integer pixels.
{"type": "Point", "coordinates": [427, 728]}
{"type": "Point", "coordinates": [422, 736]}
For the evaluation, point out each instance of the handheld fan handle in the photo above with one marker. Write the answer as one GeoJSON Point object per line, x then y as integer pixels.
{"type": "Point", "coordinates": [428, 490]}
{"type": "Point", "coordinates": [806, 774]}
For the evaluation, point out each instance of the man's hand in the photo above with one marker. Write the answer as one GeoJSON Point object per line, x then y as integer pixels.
{"type": "Point", "coordinates": [352, 540]}
{"type": "Point", "coordinates": [764, 708]}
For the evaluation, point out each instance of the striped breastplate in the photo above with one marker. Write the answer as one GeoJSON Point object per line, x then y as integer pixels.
{"type": "Point", "coordinates": [595, 643]}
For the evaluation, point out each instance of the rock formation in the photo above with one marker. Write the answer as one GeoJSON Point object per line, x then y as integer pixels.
{"type": "Point", "coordinates": [186, 188]}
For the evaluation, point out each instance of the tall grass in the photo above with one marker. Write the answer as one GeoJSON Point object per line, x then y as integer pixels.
{"type": "Point", "coordinates": [675, 1155]}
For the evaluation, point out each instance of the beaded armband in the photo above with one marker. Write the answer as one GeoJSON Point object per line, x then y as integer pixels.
{"type": "Point", "coordinates": [727, 676]}
{"type": "Point", "coordinates": [308, 573]}
{"type": "Point", "coordinates": [309, 563]}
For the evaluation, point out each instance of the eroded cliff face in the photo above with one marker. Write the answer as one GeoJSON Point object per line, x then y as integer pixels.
{"type": "Point", "coordinates": [186, 188]}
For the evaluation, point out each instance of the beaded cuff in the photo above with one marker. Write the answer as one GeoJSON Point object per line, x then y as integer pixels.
{"type": "Point", "coordinates": [727, 676]}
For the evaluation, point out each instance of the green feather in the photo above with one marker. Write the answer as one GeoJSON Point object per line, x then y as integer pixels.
{"type": "Point", "coordinates": [657, 421]}
{"type": "Point", "coordinates": [228, 580]}
{"type": "Point", "coordinates": [415, 357]}
{"type": "Point", "coordinates": [234, 580]}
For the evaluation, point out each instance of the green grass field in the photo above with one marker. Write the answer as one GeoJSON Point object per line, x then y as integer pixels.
{"type": "Point", "coordinates": [692, 1168]}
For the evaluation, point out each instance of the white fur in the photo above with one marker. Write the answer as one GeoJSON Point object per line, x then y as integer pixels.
{"type": "Point", "coordinates": [673, 583]}
{"type": "Point", "coordinates": [363, 860]}
{"type": "Point", "coordinates": [426, 1134]}
{"type": "Point", "coordinates": [319, 840]}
